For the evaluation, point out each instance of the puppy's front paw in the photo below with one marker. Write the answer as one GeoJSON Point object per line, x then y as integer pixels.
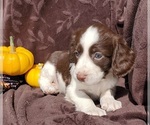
{"type": "Point", "coordinates": [49, 88]}
{"type": "Point", "coordinates": [95, 111]}
{"type": "Point", "coordinates": [110, 104]}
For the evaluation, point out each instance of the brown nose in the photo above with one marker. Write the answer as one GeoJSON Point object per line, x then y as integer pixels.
{"type": "Point", "coordinates": [81, 77]}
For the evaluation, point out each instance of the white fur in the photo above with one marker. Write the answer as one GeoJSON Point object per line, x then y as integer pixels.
{"type": "Point", "coordinates": [48, 81]}
{"type": "Point", "coordinates": [81, 93]}
{"type": "Point", "coordinates": [90, 37]}
{"type": "Point", "coordinates": [108, 102]}
{"type": "Point", "coordinates": [62, 86]}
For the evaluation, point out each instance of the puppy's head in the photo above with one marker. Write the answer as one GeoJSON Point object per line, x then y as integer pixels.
{"type": "Point", "coordinates": [96, 51]}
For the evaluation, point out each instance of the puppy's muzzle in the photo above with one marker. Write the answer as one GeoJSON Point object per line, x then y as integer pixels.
{"type": "Point", "coordinates": [81, 76]}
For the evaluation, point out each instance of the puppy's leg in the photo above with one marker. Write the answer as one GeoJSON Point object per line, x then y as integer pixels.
{"type": "Point", "coordinates": [108, 101]}
{"type": "Point", "coordinates": [83, 102]}
{"type": "Point", "coordinates": [48, 82]}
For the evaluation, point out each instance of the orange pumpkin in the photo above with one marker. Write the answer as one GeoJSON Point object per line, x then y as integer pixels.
{"type": "Point", "coordinates": [32, 76]}
{"type": "Point", "coordinates": [15, 61]}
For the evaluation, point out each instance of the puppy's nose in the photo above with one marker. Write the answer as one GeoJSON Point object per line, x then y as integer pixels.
{"type": "Point", "coordinates": [81, 77]}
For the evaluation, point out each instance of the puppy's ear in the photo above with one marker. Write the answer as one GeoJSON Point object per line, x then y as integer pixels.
{"type": "Point", "coordinates": [72, 49]}
{"type": "Point", "coordinates": [75, 37]}
{"type": "Point", "coordinates": [123, 57]}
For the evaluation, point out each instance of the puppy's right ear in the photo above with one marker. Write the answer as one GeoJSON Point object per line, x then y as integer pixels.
{"type": "Point", "coordinates": [75, 38]}
{"type": "Point", "coordinates": [72, 48]}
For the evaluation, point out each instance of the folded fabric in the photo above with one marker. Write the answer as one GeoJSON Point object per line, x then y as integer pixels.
{"type": "Point", "coordinates": [29, 106]}
{"type": "Point", "coordinates": [135, 33]}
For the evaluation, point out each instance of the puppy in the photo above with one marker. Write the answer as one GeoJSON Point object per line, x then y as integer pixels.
{"type": "Point", "coordinates": [89, 70]}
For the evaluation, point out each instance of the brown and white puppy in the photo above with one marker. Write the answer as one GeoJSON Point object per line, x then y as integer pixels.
{"type": "Point", "coordinates": [90, 70]}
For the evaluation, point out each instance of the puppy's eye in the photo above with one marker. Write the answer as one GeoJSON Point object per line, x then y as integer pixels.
{"type": "Point", "coordinates": [97, 55]}
{"type": "Point", "coordinates": [77, 54]}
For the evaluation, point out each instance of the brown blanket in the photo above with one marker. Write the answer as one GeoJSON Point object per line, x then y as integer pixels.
{"type": "Point", "coordinates": [29, 106]}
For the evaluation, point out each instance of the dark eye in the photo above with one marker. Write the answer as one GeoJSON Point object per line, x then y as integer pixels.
{"type": "Point", "coordinates": [97, 55]}
{"type": "Point", "coordinates": [77, 54]}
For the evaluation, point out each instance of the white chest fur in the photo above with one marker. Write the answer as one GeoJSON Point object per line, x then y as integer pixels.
{"type": "Point", "coordinates": [93, 91]}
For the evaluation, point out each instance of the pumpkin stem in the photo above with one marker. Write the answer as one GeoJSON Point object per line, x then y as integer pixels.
{"type": "Point", "coordinates": [40, 65]}
{"type": "Point", "coordinates": [12, 45]}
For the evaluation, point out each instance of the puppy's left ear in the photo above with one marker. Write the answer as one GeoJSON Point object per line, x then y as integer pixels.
{"type": "Point", "coordinates": [123, 57]}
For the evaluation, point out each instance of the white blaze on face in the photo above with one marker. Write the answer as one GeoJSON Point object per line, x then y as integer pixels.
{"type": "Point", "coordinates": [90, 37]}
{"type": "Point", "coordinates": [85, 65]}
